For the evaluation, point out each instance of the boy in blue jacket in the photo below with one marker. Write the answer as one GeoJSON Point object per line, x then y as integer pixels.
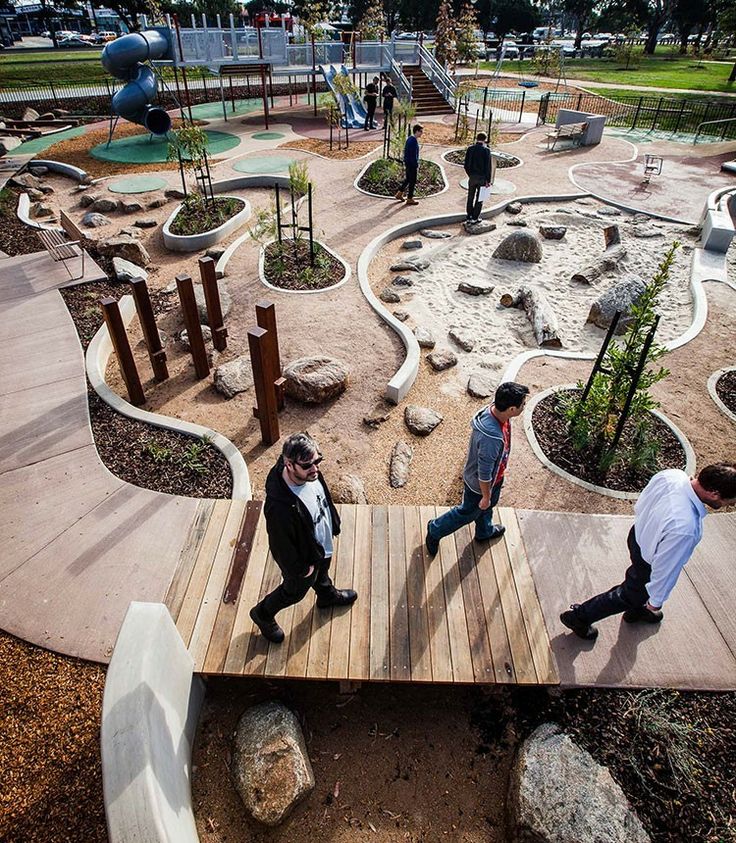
{"type": "Point", "coordinates": [411, 166]}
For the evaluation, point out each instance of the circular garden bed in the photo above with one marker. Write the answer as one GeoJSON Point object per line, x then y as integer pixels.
{"type": "Point", "coordinates": [504, 160]}
{"type": "Point", "coordinates": [287, 265]}
{"type": "Point", "coordinates": [550, 428]}
{"type": "Point", "coordinates": [200, 217]}
{"type": "Point", "coordinates": [384, 177]}
{"type": "Point", "coordinates": [726, 389]}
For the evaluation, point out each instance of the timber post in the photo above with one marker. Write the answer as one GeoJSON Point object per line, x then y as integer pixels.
{"type": "Point", "coordinates": [194, 329]}
{"type": "Point", "coordinates": [156, 353]}
{"type": "Point", "coordinates": [212, 300]}
{"type": "Point", "coordinates": [121, 344]}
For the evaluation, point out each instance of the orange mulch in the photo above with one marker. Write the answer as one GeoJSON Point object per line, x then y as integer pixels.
{"type": "Point", "coordinates": [50, 767]}
{"type": "Point", "coordinates": [357, 149]}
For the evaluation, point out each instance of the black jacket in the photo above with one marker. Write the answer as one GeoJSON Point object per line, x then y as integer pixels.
{"type": "Point", "coordinates": [289, 525]}
{"type": "Point", "coordinates": [478, 162]}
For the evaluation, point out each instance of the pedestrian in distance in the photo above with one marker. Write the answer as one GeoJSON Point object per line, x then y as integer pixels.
{"type": "Point", "coordinates": [411, 166]}
{"type": "Point", "coordinates": [479, 167]}
{"type": "Point", "coordinates": [668, 524]}
{"type": "Point", "coordinates": [485, 469]}
{"type": "Point", "coordinates": [301, 521]}
{"type": "Point", "coordinates": [388, 95]}
{"type": "Point", "coordinates": [370, 98]}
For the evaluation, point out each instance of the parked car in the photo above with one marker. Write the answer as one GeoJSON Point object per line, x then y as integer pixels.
{"type": "Point", "coordinates": [73, 41]}
{"type": "Point", "coordinates": [105, 36]}
{"type": "Point", "coordinates": [511, 51]}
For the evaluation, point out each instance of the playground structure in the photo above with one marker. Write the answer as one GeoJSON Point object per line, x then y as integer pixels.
{"type": "Point", "coordinates": [352, 112]}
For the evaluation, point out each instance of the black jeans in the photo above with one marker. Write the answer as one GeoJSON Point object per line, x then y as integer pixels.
{"type": "Point", "coordinates": [294, 589]}
{"type": "Point", "coordinates": [473, 206]}
{"type": "Point", "coordinates": [631, 594]}
{"type": "Point", "coordinates": [410, 179]}
{"type": "Point", "coordinates": [370, 112]}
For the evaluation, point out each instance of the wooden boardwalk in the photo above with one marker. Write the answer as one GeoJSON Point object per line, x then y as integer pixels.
{"type": "Point", "coordinates": [468, 615]}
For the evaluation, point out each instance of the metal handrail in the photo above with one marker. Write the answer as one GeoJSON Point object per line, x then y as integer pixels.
{"type": "Point", "coordinates": [397, 72]}
{"type": "Point", "coordinates": [438, 75]}
{"type": "Point", "coordinates": [713, 123]}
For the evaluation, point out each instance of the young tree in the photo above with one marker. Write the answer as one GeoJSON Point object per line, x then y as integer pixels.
{"type": "Point", "coordinates": [372, 25]}
{"type": "Point", "coordinates": [444, 38]}
{"type": "Point", "coordinates": [465, 34]}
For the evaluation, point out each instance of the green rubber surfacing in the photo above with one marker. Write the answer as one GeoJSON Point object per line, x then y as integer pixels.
{"type": "Point", "coordinates": [32, 147]}
{"type": "Point", "coordinates": [144, 149]}
{"type": "Point", "coordinates": [268, 135]}
{"type": "Point", "coordinates": [272, 164]}
{"type": "Point", "coordinates": [137, 184]}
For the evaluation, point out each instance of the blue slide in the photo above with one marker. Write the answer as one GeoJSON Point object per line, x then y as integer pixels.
{"type": "Point", "coordinates": [351, 108]}
{"type": "Point", "coordinates": [123, 58]}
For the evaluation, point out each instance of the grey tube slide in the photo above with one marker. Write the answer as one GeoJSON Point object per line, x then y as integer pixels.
{"type": "Point", "coordinates": [123, 59]}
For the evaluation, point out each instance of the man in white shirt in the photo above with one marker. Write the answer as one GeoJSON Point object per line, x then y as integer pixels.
{"type": "Point", "coordinates": [668, 525]}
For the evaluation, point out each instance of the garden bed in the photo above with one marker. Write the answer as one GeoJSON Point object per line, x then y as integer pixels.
{"type": "Point", "coordinates": [357, 149]}
{"type": "Point", "coordinates": [384, 177]}
{"type": "Point", "coordinates": [726, 389]}
{"type": "Point", "coordinates": [504, 160]}
{"type": "Point", "coordinates": [16, 238]}
{"type": "Point", "coordinates": [551, 430]}
{"type": "Point", "coordinates": [286, 265]}
{"type": "Point", "coordinates": [200, 217]}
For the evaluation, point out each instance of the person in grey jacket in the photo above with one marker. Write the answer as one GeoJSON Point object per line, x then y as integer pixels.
{"type": "Point", "coordinates": [479, 167]}
{"type": "Point", "coordinates": [485, 467]}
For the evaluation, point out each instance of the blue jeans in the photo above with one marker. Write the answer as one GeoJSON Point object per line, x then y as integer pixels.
{"type": "Point", "coordinates": [466, 512]}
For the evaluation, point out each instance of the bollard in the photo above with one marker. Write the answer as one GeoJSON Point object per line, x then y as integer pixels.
{"type": "Point", "coordinates": [121, 344]}
{"type": "Point", "coordinates": [212, 300]}
{"type": "Point", "coordinates": [194, 329]}
{"type": "Point", "coordinates": [156, 353]}
{"type": "Point", "coordinates": [266, 410]}
{"type": "Point", "coordinates": [266, 319]}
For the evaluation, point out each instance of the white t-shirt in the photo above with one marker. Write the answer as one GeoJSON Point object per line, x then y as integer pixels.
{"type": "Point", "coordinates": [312, 495]}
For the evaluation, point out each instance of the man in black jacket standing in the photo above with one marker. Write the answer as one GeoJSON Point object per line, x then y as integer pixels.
{"type": "Point", "coordinates": [301, 521]}
{"type": "Point", "coordinates": [479, 169]}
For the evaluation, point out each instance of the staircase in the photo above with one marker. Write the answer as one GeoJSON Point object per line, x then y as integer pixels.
{"type": "Point", "coordinates": [425, 95]}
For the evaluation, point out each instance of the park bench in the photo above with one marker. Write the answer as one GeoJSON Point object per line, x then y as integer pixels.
{"type": "Point", "coordinates": [62, 249]}
{"type": "Point", "coordinates": [568, 131]}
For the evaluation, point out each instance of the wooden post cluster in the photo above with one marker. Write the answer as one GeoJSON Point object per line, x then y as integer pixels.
{"type": "Point", "coordinates": [263, 344]}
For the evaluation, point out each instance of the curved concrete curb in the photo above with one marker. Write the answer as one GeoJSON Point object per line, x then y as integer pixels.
{"type": "Point", "coordinates": [262, 273]}
{"type": "Point", "coordinates": [601, 490]}
{"type": "Point", "coordinates": [712, 381]}
{"type": "Point", "coordinates": [497, 153]}
{"type": "Point", "coordinates": [327, 157]}
{"type": "Point", "coordinates": [253, 180]}
{"type": "Point", "coordinates": [150, 711]}
{"type": "Point", "coordinates": [96, 358]}
{"type": "Point", "coordinates": [61, 168]}
{"type": "Point", "coordinates": [197, 242]}
{"type": "Point", "coordinates": [391, 198]}
{"type": "Point", "coordinates": [221, 265]}
{"type": "Point", "coordinates": [23, 212]}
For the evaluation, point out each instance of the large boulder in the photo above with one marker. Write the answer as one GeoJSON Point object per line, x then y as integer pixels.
{"type": "Point", "coordinates": [183, 338]}
{"type": "Point", "coordinates": [145, 222]}
{"type": "Point", "coordinates": [402, 281]}
{"type": "Point", "coordinates": [29, 114]}
{"type": "Point", "coordinates": [389, 296]}
{"type": "Point", "coordinates": [442, 359]}
{"type": "Point", "coordinates": [38, 209]}
{"type": "Point", "coordinates": [348, 489]}
{"type": "Point", "coordinates": [126, 271]}
{"type": "Point", "coordinates": [620, 297]}
{"type": "Point", "coordinates": [234, 377]}
{"type": "Point", "coordinates": [410, 265]}
{"type": "Point", "coordinates": [432, 234]}
{"type": "Point", "coordinates": [421, 420]}
{"type": "Point", "coordinates": [475, 289]}
{"type": "Point", "coordinates": [26, 180]}
{"type": "Point", "coordinates": [122, 246]}
{"type": "Point", "coordinates": [398, 470]}
{"type": "Point", "coordinates": [226, 302]}
{"type": "Point", "coordinates": [156, 201]}
{"type": "Point", "coordinates": [424, 336]}
{"type": "Point", "coordinates": [462, 338]}
{"type": "Point", "coordinates": [552, 232]}
{"type": "Point", "coordinates": [481, 385]}
{"type": "Point", "coordinates": [8, 144]}
{"type": "Point", "coordinates": [559, 794]}
{"type": "Point", "coordinates": [130, 206]}
{"type": "Point", "coordinates": [93, 220]}
{"type": "Point", "coordinates": [315, 379]}
{"type": "Point", "coordinates": [521, 246]}
{"type": "Point", "coordinates": [103, 205]}
{"type": "Point", "coordinates": [481, 227]}
{"type": "Point", "coordinates": [87, 199]}
{"type": "Point", "coordinates": [271, 767]}
{"type": "Point", "coordinates": [514, 208]}
{"type": "Point", "coordinates": [412, 244]}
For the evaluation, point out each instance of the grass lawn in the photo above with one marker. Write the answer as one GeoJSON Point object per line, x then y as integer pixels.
{"type": "Point", "coordinates": [64, 66]}
{"type": "Point", "coordinates": [626, 96]}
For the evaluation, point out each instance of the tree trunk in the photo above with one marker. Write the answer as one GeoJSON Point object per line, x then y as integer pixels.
{"type": "Point", "coordinates": [539, 313]}
{"type": "Point", "coordinates": [651, 42]}
{"type": "Point", "coordinates": [607, 262]}
{"type": "Point", "coordinates": [683, 42]}
{"type": "Point", "coordinates": [732, 77]}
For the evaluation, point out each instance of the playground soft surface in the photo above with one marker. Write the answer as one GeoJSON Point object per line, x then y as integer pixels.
{"type": "Point", "coordinates": [151, 149]}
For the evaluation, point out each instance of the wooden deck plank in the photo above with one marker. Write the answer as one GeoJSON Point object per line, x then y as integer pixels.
{"type": "Point", "coordinates": [187, 616]}
{"type": "Point", "coordinates": [41, 359]}
{"type": "Point", "coordinates": [480, 648]}
{"type": "Point", "coordinates": [319, 645]}
{"type": "Point", "coordinates": [536, 629]}
{"type": "Point", "coordinates": [380, 658]}
{"type": "Point", "coordinates": [397, 595]}
{"type": "Point", "coordinates": [258, 646]}
{"type": "Point", "coordinates": [359, 664]}
{"type": "Point", "coordinates": [278, 654]}
{"type": "Point", "coordinates": [421, 658]}
{"type": "Point", "coordinates": [439, 635]}
{"type": "Point", "coordinates": [462, 663]}
{"type": "Point", "coordinates": [180, 581]}
{"type": "Point", "coordinates": [37, 273]}
{"type": "Point", "coordinates": [342, 576]}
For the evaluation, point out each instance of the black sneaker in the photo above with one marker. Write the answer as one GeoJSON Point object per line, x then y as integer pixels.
{"type": "Point", "coordinates": [582, 629]}
{"type": "Point", "coordinates": [269, 628]}
{"type": "Point", "coordinates": [430, 543]}
{"type": "Point", "coordinates": [338, 597]}
{"type": "Point", "coordinates": [643, 615]}
{"type": "Point", "coordinates": [498, 531]}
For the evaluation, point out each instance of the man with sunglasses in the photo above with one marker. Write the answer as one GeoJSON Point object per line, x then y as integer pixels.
{"type": "Point", "coordinates": [301, 521]}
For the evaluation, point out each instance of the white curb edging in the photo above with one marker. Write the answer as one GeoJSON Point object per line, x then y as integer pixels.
{"type": "Point", "coordinates": [23, 212]}
{"type": "Point", "coordinates": [591, 487]}
{"type": "Point", "coordinates": [262, 273]}
{"type": "Point", "coordinates": [96, 359]}
{"type": "Point", "coordinates": [61, 167]}
{"type": "Point", "coordinates": [497, 153]}
{"type": "Point", "coordinates": [381, 196]}
{"type": "Point", "coordinates": [197, 242]}
{"type": "Point", "coordinates": [712, 381]}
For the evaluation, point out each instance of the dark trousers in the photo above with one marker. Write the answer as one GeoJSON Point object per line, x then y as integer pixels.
{"type": "Point", "coordinates": [631, 594]}
{"type": "Point", "coordinates": [467, 512]}
{"type": "Point", "coordinates": [410, 179]}
{"type": "Point", "coordinates": [370, 113]}
{"type": "Point", "coordinates": [473, 206]}
{"type": "Point", "coordinates": [294, 589]}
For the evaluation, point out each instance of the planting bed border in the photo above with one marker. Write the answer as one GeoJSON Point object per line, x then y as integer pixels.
{"type": "Point", "coordinates": [262, 273]}
{"type": "Point", "coordinates": [392, 198]}
{"type": "Point", "coordinates": [497, 153]}
{"type": "Point", "coordinates": [712, 381]}
{"type": "Point", "coordinates": [198, 242]}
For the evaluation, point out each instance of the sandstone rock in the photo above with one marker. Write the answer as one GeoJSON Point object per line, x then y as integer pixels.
{"type": "Point", "coordinates": [87, 199]}
{"type": "Point", "coordinates": [517, 223]}
{"type": "Point", "coordinates": [621, 296]}
{"type": "Point", "coordinates": [421, 420]}
{"type": "Point", "coordinates": [475, 289]}
{"type": "Point", "coordinates": [128, 248]}
{"type": "Point", "coordinates": [410, 265]}
{"type": "Point", "coordinates": [398, 471]}
{"type": "Point", "coordinates": [125, 270]}
{"type": "Point", "coordinates": [38, 209]}
{"type": "Point", "coordinates": [26, 180]}
{"type": "Point", "coordinates": [389, 296]}
{"type": "Point", "coordinates": [39, 170]}
{"type": "Point", "coordinates": [93, 220]}
{"type": "Point", "coordinates": [552, 232]}
{"type": "Point", "coordinates": [348, 489]}
{"type": "Point", "coordinates": [482, 227]}
{"type": "Point", "coordinates": [558, 794]}
{"type": "Point", "coordinates": [521, 246]}
{"type": "Point", "coordinates": [8, 144]}
{"type": "Point", "coordinates": [377, 416]}
{"type": "Point", "coordinates": [145, 222]}
{"type": "Point", "coordinates": [514, 208]}
{"type": "Point", "coordinates": [442, 359]}
{"type": "Point", "coordinates": [462, 338]}
{"type": "Point", "coordinates": [402, 281]}
{"type": "Point", "coordinates": [131, 206]}
{"type": "Point", "coordinates": [431, 234]}
{"type": "Point", "coordinates": [412, 244]}
{"type": "Point", "coordinates": [30, 114]}
{"type": "Point", "coordinates": [215, 252]}
{"type": "Point", "coordinates": [609, 212]}
{"type": "Point", "coordinates": [424, 336]}
{"type": "Point", "coordinates": [271, 767]}
{"type": "Point", "coordinates": [233, 377]}
{"type": "Point", "coordinates": [183, 338]}
{"type": "Point", "coordinates": [46, 189]}
{"type": "Point", "coordinates": [481, 385]}
{"type": "Point", "coordinates": [35, 195]}
{"type": "Point", "coordinates": [103, 205]}
{"type": "Point", "coordinates": [315, 379]}
{"type": "Point", "coordinates": [641, 218]}
{"type": "Point", "coordinates": [226, 302]}
{"type": "Point", "coordinates": [131, 231]}
{"type": "Point", "coordinates": [156, 201]}
{"type": "Point", "coordinates": [174, 193]}
{"type": "Point", "coordinates": [646, 231]}
{"type": "Point", "coordinates": [401, 315]}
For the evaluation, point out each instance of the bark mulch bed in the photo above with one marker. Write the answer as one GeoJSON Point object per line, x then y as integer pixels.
{"type": "Point", "coordinates": [16, 238]}
{"type": "Point", "coordinates": [197, 217]}
{"type": "Point", "coordinates": [503, 160]}
{"type": "Point", "coordinates": [286, 265]}
{"type": "Point", "coordinates": [385, 175]}
{"type": "Point", "coordinates": [51, 782]}
{"type": "Point", "coordinates": [726, 389]}
{"type": "Point", "coordinates": [357, 149]}
{"type": "Point", "coordinates": [550, 428]}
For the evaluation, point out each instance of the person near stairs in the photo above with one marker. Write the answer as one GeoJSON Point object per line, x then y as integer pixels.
{"type": "Point", "coordinates": [370, 98]}
{"type": "Point", "coordinates": [411, 166]}
{"type": "Point", "coordinates": [479, 167]}
{"type": "Point", "coordinates": [301, 521]}
{"type": "Point", "coordinates": [388, 95]}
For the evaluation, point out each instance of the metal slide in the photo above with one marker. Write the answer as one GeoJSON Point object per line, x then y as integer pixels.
{"type": "Point", "coordinates": [123, 58]}
{"type": "Point", "coordinates": [351, 108]}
